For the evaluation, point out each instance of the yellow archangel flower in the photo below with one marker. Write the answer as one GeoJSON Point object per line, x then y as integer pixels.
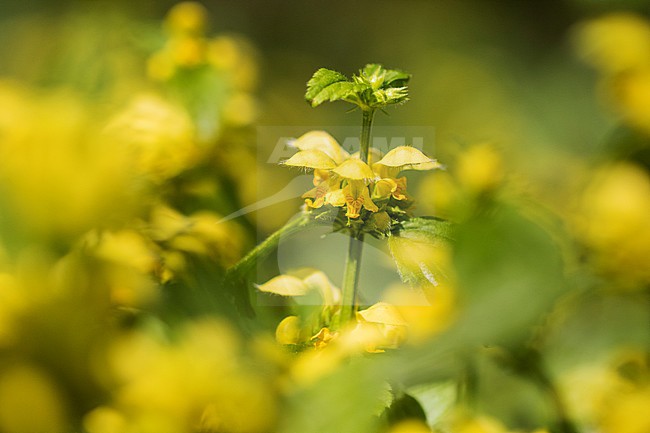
{"type": "Point", "coordinates": [341, 179]}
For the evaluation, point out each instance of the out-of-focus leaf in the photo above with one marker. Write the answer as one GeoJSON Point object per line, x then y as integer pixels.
{"type": "Point", "coordinates": [509, 274]}
{"type": "Point", "coordinates": [588, 325]}
{"type": "Point", "coordinates": [404, 407]}
{"type": "Point", "coordinates": [238, 278]}
{"type": "Point", "coordinates": [436, 399]}
{"type": "Point", "coordinates": [347, 401]}
{"type": "Point", "coordinates": [418, 248]}
{"type": "Point", "coordinates": [512, 398]}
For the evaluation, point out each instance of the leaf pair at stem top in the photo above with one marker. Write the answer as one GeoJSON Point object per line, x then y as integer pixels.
{"type": "Point", "coordinates": [373, 88]}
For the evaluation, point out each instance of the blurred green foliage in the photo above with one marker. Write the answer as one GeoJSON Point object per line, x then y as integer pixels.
{"type": "Point", "coordinates": [128, 140]}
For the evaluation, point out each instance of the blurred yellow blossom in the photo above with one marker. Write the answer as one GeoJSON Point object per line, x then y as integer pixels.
{"type": "Point", "coordinates": [598, 394]}
{"type": "Point", "coordinates": [615, 42]}
{"type": "Point", "coordinates": [428, 310]}
{"type": "Point", "coordinates": [614, 221]}
{"type": "Point", "coordinates": [386, 319]}
{"type": "Point", "coordinates": [289, 331]}
{"type": "Point", "coordinates": [618, 45]}
{"type": "Point", "coordinates": [129, 262]}
{"type": "Point", "coordinates": [197, 381]}
{"type": "Point", "coordinates": [410, 426]}
{"type": "Point", "coordinates": [54, 164]}
{"type": "Point", "coordinates": [438, 194]}
{"type": "Point", "coordinates": [158, 136]}
{"type": "Point", "coordinates": [30, 401]}
{"type": "Point", "coordinates": [187, 17]}
{"type": "Point", "coordinates": [480, 168]}
{"type": "Point", "coordinates": [631, 94]}
{"type": "Point", "coordinates": [12, 303]}
{"type": "Point", "coordinates": [479, 424]}
{"type": "Point", "coordinates": [104, 420]}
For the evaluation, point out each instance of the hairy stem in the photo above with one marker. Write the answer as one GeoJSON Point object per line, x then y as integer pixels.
{"type": "Point", "coordinates": [365, 134]}
{"type": "Point", "coordinates": [249, 262]}
{"type": "Point", "coordinates": [351, 280]}
{"type": "Point", "coordinates": [349, 303]}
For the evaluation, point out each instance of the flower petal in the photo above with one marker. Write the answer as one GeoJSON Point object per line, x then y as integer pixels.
{"type": "Point", "coordinates": [318, 280]}
{"type": "Point", "coordinates": [321, 140]}
{"type": "Point", "coordinates": [408, 158]}
{"type": "Point", "coordinates": [288, 330]}
{"type": "Point", "coordinates": [384, 188]}
{"type": "Point", "coordinates": [354, 169]}
{"type": "Point", "coordinates": [384, 313]}
{"type": "Point", "coordinates": [335, 198]}
{"type": "Point", "coordinates": [311, 158]}
{"type": "Point", "coordinates": [284, 285]}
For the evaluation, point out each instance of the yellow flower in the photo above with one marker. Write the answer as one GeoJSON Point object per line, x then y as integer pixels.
{"type": "Point", "coordinates": [404, 158]}
{"type": "Point", "coordinates": [341, 179]}
{"type": "Point", "coordinates": [355, 196]}
{"type": "Point", "coordinates": [311, 158]}
{"type": "Point", "coordinates": [395, 161]}
{"type": "Point", "coordinates": [288, 331]}
{"type": "Point", "coordinates": [355, 169]}
{"type": "Point", "coordinates": [322, 338]}
{"type": "Point", "coordinates": [388, 187]}
{"type": "Point", "coordinates": [300, 282]}
{"type": "Point", "coordinates": [428, 310]}
{"type": "Point", "coordinates": [321, 140]}
{"type": "Point", "coordinates": [389, 324]}
{"type": "Point", "coordinates": [325, 184]}
{"type": "Point", "coordinates": [332, 165]}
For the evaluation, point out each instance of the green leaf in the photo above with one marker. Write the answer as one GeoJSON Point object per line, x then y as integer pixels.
{"type": "Point", "coordinates": [396, 78]}
{"type": "Point", "coordinates": [404, 407]}
{"type": "Point", "coordinates": [343, 90]}
{"type": "Point", "coordinates": [509, 273]}
{"type": "Point", "coordinates": [237, 279]}
{"type": "Point", "coordinates": [332, 404]}
{"type": "Point", "coordinates": [373, 88]}
{"type": "Point", "coordinates": [427, 229]}
{"type": "Point", "coordinates": [415, 248]}
{"type": "Point", "coordinates": [322, 79]}
{"type": "Point", "coordinates": [393, 95]}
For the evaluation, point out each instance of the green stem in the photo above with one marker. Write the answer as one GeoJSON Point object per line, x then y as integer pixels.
{"type": "Point", "coordinates": [350, 284]}
{"type": "Point", "coordinates": [366, 128]}
{"type": "Point", "coordinates": [351, 280]}
{"type": "Point", "coordinates": [249, 262]}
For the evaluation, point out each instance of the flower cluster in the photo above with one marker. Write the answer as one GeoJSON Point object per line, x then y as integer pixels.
{"type": "Point", "coordinates": [343, 180]}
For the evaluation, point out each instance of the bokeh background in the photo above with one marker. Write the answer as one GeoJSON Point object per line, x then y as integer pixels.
{"type": "Point", "coordinates": [129, 134]}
